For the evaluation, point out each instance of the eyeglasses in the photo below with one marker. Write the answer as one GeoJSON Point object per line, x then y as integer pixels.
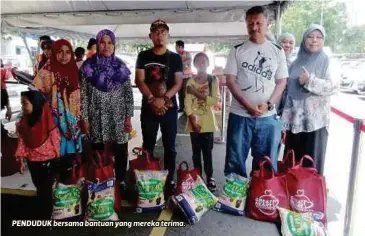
{"type": "Point", "coordinates": [319, 37]}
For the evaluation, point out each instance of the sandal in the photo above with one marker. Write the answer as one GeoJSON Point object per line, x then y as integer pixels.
{"type": "Point", "coordinates": [212, 185]}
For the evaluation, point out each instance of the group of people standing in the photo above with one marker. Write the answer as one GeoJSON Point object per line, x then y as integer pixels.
{"type": "Point", "coordinates": [94, 97]}
{"type": "Point", "coordinates": [95, 100]}
{"type": "Point", "coordinates": [274, 97]}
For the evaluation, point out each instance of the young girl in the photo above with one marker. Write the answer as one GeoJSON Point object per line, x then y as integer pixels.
{"type": "Point", "coordinates": [201, 97]}
{"type": "Point", "coordinates": [39, 142]}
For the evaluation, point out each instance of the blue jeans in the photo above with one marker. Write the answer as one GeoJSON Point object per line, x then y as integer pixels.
{"type": "Point", "coordinates": [262, 135]}
{"type": "Point", "coordinates": [168, 123]}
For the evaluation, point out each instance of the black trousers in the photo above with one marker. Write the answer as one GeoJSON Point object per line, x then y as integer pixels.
{"type": "Point", "coordinates": [4, 98]}
{"type": "Point", "coordinates": [43, 176]}
{"type": "Point", "coordinates": [168, 124]}
{"type": "Point", "coordinates": [62, 168]}
{"type": "Point", "coordinates": [121, 158]}
{"type": "Point", "coordinates": [313, 144]}
{"type": "Point", "coordinates": [203, 143]}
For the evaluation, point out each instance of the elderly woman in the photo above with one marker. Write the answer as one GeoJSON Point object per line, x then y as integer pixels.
{"type": "Point", "coordinates": [287, 42]}
{"type": "Point", "coordinates": [107, 101]}
{"type": "Point", "coordinates": [307, 107]}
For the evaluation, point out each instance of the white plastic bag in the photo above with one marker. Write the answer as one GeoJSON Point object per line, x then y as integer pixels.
{"type": "Point", "coordinates": [233, 198]}
{"type": "Point", "coordinates": [66, 200]}
{"type": "Point", "coordinates": [196, 202]}
{"type": "Point", "coordinates": [300, 224]}
{"type": "Point", "coordinates": [150, 186]}
{"type": "Point", "coordinates": [100, 205]}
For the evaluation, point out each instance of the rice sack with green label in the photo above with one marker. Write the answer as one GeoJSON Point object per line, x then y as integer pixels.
{"type": "Point", "coordinates": [300, 224]}
{"type": "Point", "coordinates": [233, 198]}
{"type": "Point", "coordinates": [150, 187]}
{"type": "Point", "coordinates": [100, 205]}
{"type": "Point", "coordinates": [195, 202]}
{"type": "Point", "coordinates": [66, 200]}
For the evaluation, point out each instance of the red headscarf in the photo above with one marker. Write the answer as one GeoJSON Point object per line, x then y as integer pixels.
{"type": "Point", "coordinates": [69, 73]}
{"type": "Point", "coordinates": [34, 129]}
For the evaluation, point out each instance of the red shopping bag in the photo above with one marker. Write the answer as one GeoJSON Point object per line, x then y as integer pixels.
{"type": "Point", "coordinates": [288, 162]}
{"type": "Point", "coordinates": [142, 162]}
{"type": "Point", "coordinates": [267, 192]}
{"type": "Point", "coordinates": [103, 169]}
{"type": "Point", "coordinates": [103, 166]}
{"type": "Point", "coordinates": [307, 190]}
{"type": "Point", "coordinates": [185, 177]}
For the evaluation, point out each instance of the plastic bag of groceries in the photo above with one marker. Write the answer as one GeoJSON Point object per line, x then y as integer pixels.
{"type": "Point", "coordinates": [100, 205]}
{"type": "Point", "coordinates": [67, 201]}
{"type": "Point", "coordinates": [150, 186]}
{"type": "Point", "coordinates": [196, 202]}
{"type": "Point", "coordinates": [233, 198]}
{"type": "Point", "coordinates": [300, 224]}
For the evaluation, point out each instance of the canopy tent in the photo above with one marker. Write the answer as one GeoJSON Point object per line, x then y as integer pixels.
{"type": "Point", "coordinates": [188, 20]}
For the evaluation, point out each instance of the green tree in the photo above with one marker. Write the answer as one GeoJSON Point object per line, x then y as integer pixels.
{"type": "Point", "coordinates": [354, 40]}
{"type": "Point", "coordinates": [220, 47]}
{"type": "Point", "coordinates": [81, 43]}
{"type": "Point", "coordinates": [300, 15]}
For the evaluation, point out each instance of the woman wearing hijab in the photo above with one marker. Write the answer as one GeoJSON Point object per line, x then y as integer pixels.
{"type": "Point", "coordinates": [59, 82]}
{"type": "Point", "coordinates": [287, 42]}
{"type": "Point", "coordinates": [39, 143]}
{"type": "Point", "coordinates": [307, 107]}
{"type": "Point", "coordinates": [107, 101]}
{"type": "Point", "coordinates": [46, 47]}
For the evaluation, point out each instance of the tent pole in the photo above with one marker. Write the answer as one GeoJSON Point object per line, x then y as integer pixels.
{"type": "Point", "coordinates": [27, 47]}
{"type": "Point", "coordinates": [278, 21]}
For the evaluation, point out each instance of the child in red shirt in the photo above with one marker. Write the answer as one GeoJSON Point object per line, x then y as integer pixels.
{"type": "Point", "coordinates": [39, 143]}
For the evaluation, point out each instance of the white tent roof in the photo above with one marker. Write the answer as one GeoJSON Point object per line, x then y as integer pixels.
{"type": "Point", "coordinates": [130, 20]}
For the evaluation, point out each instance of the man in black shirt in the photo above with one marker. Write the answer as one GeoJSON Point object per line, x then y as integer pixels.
{"type": "Point", "coordinates": [158, 77]}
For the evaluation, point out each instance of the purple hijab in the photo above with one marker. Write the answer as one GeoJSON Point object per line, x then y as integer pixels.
{"type": "Point", "coordinates": [105, 73]}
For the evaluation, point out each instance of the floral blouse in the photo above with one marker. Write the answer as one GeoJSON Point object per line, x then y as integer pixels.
{"type": "Point", "coordinates": [312, 113]}
{"type": "Point", "coordinates": [50, 149]}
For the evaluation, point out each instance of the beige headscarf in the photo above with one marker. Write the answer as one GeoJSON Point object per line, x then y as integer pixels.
{"type": "Point", "coordinates": [286, 35]}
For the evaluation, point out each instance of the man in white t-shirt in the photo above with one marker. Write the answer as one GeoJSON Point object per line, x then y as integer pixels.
{"type": "Point", "coordinates": [256, 73]}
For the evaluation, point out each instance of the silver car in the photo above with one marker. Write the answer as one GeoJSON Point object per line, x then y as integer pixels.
{"type": "Point", "coordinates": [352, 76]}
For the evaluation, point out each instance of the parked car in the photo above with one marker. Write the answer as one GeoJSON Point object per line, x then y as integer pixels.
{"type": "Point", "coordinates": [352, 77]}
{"type": "Point", "coordinates": [361, 87]}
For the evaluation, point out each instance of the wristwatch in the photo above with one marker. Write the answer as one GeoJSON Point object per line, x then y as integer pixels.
{"type": "Point", "coordinates": [150, 99]}
{"type": "Point", "coordinates": [270, 106]}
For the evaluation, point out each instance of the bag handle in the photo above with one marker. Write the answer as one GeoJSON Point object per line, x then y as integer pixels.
{"type": "Point", "coordinates": [102, 158]}
{"type": "Point", "coordinates": [140, 151]}
{"type": "Point", "coordinates": [181, 165]}
{"type": "Point", "coordinates": [306, 157]}
{"type": "Point", "coordinates": [210, 81]}
{"type": "Point", "coordinates": [76, 167]}
{"type": "Point", "coordinates": [289, 154]}
{"type": "Point", "coordinates": [106, 153]}
{"type": "Point", "coordinates": [266, 160]}
{"type": "Point", "coordinates": [99, 164]}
